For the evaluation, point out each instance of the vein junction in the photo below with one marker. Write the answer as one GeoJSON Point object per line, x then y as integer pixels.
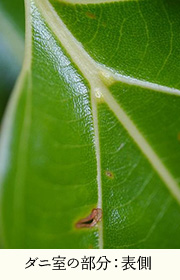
{"type": "Point", "coordinates": [98, 76]}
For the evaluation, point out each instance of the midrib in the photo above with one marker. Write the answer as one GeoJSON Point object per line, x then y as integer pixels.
{"type": "Point", "coordinates": [93, 72]}
{"type": "Point", "coordinates": [88, 68]}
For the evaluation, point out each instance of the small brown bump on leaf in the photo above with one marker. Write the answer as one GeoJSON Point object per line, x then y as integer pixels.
{"type": "Point", "coordinates": [178, 136]}
{"type": "Point", "coordinates": [91, 220]}
{"type": "Point", "coordinates": [109, 174]}
{"type": "Point", "coordinates": [90, 15]}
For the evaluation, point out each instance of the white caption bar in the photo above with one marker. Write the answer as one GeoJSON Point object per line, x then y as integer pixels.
{"type": "Point", "coordinates": [89, 264]}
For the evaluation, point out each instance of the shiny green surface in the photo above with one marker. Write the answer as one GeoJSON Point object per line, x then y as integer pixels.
{"type": "Point", "coordinates": [138, 210]}
{"type": "Point", "coordinates": [50, 149]}
{"type": "Point", "coordinates": [136, 38]}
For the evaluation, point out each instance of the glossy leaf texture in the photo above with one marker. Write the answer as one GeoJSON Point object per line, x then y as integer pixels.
{"type": "Point", "coordinates": [11, 46]}
{"type": "Point", "coordinates": [94, 123]}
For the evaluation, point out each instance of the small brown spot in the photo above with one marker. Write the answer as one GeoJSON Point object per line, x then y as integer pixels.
{"type": "Point", "coordinates": [109, 174]}
{"type": "Point", "coordinates": [178, 136]}
{"type": "Point", "coordinates": [91, 220]}
{"type": "Point", "coordinates": [90, 15]}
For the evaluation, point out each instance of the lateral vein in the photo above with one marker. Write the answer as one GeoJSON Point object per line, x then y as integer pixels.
{"type": "Point", "coordinates": [144, 146]}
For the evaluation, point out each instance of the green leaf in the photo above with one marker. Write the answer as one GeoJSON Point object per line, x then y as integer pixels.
{"type": "Point", "coordinates": [11, 46]}
{"type": "Point", "coordinates": [94, 123]}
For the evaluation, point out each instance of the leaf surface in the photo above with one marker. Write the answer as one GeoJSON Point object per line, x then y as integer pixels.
{"type": "Point", "coordinates": [94, 123]}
